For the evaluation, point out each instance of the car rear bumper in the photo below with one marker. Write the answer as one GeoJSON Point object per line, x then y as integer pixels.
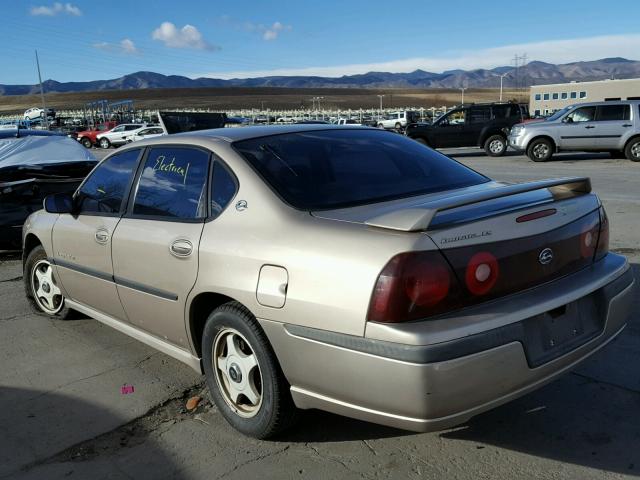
{"type": "Point", "coordinates": [426, 387]}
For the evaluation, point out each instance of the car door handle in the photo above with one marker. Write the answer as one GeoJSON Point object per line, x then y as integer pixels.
{"type": "Point", "coordinates": [590, 126]}
{"type": "Point", "coordinates": [181, 248]}
{"type": "Point", "coordinates": [102, 236]}
{"type": "Point", "coordinates": [627, 125]}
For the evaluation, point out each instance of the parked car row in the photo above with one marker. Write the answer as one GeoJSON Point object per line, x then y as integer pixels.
{"type": "Point", "coordinates": [109, 134]}
{"type": "Point", "coordinates": [611, 126]}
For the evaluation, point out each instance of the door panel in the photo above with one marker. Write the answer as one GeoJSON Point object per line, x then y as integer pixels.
{"type": "Point", "coordinates": [579, 130]}
{"type": "Point", "coordinates": [613, 122]}
{"type": "Point", "coordinates": [82, 253]}
{"type": "Point", "coordinates": [152, 280]}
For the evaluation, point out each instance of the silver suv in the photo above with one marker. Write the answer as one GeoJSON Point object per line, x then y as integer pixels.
{"type": "Point", "coordinates": [612, 127]}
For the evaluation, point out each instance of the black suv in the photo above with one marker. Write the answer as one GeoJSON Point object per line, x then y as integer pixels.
{"type": "Point", "coordinates": [483, 125]}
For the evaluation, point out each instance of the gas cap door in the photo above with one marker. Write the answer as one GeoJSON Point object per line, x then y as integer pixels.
{"type": "Point", "coordinates": [272, 286]}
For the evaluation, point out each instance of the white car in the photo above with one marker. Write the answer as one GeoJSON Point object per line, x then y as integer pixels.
{"type": "Point", "coordinates": [118, 135]}
{"type": "Point", "coordinates": [145, 132]}
{"type": "Point", "coordinates": [36, 113]}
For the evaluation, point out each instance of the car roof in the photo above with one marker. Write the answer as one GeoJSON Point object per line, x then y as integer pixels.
{"type": "Point", "coordinates": [246, 133]}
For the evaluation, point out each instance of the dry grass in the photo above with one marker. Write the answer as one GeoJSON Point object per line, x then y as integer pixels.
{"type": "Point", "coordinates": [271, 98]}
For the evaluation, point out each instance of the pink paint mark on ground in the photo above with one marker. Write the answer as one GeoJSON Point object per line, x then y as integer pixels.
{"type": "Point", "coordinates": [126, 389]}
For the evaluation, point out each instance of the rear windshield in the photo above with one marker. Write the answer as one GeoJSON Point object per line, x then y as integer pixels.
{"type": "Point", "coordinates": [326, 169]}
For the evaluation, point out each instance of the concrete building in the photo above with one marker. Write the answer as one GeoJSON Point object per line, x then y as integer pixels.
{"type": "Point", "coordinates": [546, 99]}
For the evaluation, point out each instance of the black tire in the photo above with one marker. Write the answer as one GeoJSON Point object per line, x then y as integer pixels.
{"type": "Point", "coordinates": [86, 142]}
{"type": "Point", "coordinates": [540, 150]}
{"type": "Point", "coordinates": [422, 141]}
{"type": "Point", "coordinates": [37, 258]}
{"type": "Point", "coordinates": [398, 127]}
{"type": "Point", "coordinates": [381, 126]}
{"type": "Point", "coordinates": [632, 150]}
{"type": "Point", "coordinates": [495, 146]}
{"type": "Point", "coordinates": [276, 410]}
{"type": "Point", "coordinates": [104, 143]}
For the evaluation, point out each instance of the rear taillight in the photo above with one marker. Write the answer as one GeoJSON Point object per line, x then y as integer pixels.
{"type": "Point", "coordinates": [603, 237]}
{"type": "Point", "coordinates": [589, 239]}
{"type": "Point", "coordinates": [411, 286]}
{"type": "Point", "coordinates": [481, 273]}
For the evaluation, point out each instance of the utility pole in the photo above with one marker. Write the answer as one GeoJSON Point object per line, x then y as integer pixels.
{"type": "Point", "coordinates": [502, 78]}
{"type": "Point", "coordinates": [44, 105]}
{"type": "Point", "coordinates": [462, 89]}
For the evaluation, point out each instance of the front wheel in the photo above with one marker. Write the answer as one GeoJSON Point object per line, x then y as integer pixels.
{"type": "Point", "coordinates": [381, 126]}
{"type": "Point", "coordinates": [540, 150]}
{"type": "Point", "coordinates": [495, 146]}
{"type": "Point", "coordinates": [632, 150]}
{"type": "Point", "coordinates": [105, 143]}
{"type": "Point", "coordinates": [41, 286]}
{"type": "Point", "coordinates": [86, 142]}
{"type": "Point", "coordinates": [243, 374]}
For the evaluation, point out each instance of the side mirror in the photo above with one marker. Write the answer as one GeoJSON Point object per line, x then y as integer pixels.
{"type": "Point", "coordinates": [58, 203]}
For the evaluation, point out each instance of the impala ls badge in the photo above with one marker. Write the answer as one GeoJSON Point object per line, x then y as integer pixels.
{"type": "Point", "coordinates": [546, 256]}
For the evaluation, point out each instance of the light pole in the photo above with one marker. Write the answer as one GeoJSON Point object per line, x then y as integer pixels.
{"type": "Point", "coordinates": [502, 78]}
{"type": "Point", "coordinates": [462, 89]}
{"type": "Point", "coordinates": [381, 97]}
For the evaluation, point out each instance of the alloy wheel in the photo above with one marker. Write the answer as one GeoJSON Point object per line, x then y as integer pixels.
{"type": "Point", "coordinates": [45, 291]}
{"type": "Point", "coordinates": [237, 372]}
{"type": "Point", "coordinates": [496, 146]}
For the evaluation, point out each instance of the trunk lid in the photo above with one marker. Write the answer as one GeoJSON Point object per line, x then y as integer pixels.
{"type": "Point", "coordinates": [497, 238]}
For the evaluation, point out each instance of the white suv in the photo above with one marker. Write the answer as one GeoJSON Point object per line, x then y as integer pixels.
{"type": "Point", "coordinates": [118, 135]}
{"type": "Point", "coordinates": [397, 120]}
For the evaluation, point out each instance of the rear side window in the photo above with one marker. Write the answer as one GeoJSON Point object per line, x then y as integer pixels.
{"type": "Point", "coordinates": [479, 115]}
{"type": "Point", "coordinates": [172, 184]}
{"type": "Point", "coordinates": [500, 111]}
{"type": "Point", "coordinates": [325, 169]}
{"type": "Point", "coordinates": [613, 112]}
{"type": "Point", "coordinates": [223, 188]}
{"type": "Point", "coordinates": [104, 190]}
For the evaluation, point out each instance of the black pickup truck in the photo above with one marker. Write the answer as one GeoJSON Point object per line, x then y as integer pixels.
{"type": "Point", "coordinates": [482, 125]}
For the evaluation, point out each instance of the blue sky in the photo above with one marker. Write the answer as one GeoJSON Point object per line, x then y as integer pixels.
{"type": "Point", "coordinates": [82, 40]}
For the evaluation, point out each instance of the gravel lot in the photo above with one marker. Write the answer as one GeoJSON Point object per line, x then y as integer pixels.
{"type": "Point", "coordinates": [62, 414]}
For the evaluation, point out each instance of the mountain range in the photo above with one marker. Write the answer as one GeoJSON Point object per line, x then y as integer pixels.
{"type": "Point", "coordinates": [534, 73]}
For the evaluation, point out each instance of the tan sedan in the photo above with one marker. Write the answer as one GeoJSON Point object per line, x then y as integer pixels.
{"type": "Point", "coordinates": [347, 269]}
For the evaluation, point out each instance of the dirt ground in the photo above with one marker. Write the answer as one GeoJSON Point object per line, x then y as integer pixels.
{"type": "Point", "coordinates": [269, 98]}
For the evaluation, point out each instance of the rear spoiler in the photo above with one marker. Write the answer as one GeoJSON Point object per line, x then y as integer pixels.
{"type": "Point", "coordinates": [419, 218]}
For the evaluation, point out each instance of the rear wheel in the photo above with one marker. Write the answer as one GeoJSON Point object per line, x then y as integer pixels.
{"type": "Point", "coordinates": [104, 143]}
{"type": "Point", "coordinates": [422, 141]}
{"type": "Point", "coordinates": [398, 127]}
{"type": "Point", "coordinates": [243, 374]}
{"type": "Point", "coordinates": [41, 286]}
{"type": "Point", "coordinates": [540, 150]}
{"type": "Point", "coordinates": [632, 150]}
{"type": "Point", "coordinates": [86, 142]}
{"type": "Point", "coordinates": [380, 126]}
{"type": "Point", "coordinates": [495, 146]}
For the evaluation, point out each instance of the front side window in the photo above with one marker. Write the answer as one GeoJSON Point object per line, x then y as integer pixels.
{"type": "Point", "coordinates": [103, 192]}
{"type": "Point", "coordinates": [172, 184]}
{"type": "Point", "coordinates": [453, 118]}
{"type": "Point", "coordinates": [502, 111]}
{"type": "Point", "coordinates": [583, 114]}
{"type": "Point", "coordinates": [118, 129]}
{"type": "Point", "coordinates": [613, 112]}
{"type": "Point", "coordinates": [325, 169]}
{"type": "Point", "coordinates": [128, 128]}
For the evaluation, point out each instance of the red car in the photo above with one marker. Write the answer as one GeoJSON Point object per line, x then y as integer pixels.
{"type": "Point", "coordinates": [88, 137]}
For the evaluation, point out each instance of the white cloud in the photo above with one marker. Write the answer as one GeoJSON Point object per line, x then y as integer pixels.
{"type": "Point", "coordinates": [272, 32]}
{"type": "Point", "coordinates": [125, 46]}
{"type": "Point", "coordinates": [552, 51]}
{"type": "Point", "coordinates": [186, 37]}
{"type": "Point", "coordinates": [55, 9]}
